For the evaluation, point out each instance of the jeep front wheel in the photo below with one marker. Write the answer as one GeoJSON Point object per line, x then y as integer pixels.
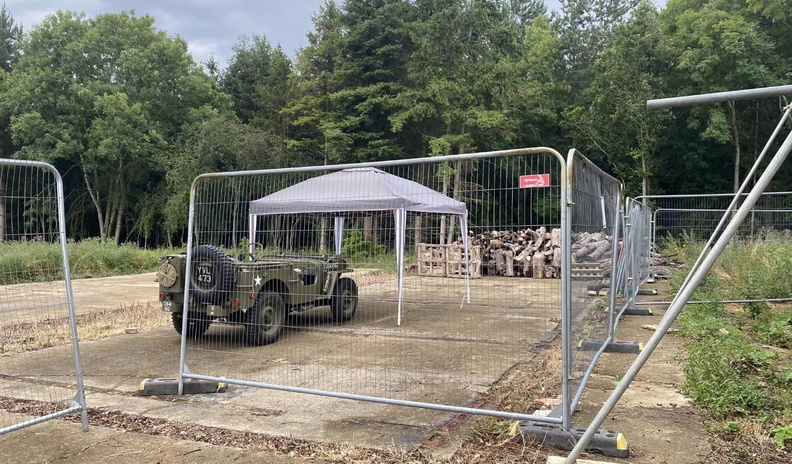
{"type": "Point", "coordinates": [265, 320]}
{"type": "Point", "coordinates": [344, 302]}
{"type": "Point", "coordinates": [197, 324]}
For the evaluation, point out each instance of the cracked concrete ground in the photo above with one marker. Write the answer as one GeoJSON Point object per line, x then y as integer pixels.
{"type": "Point", "coordinates": [443, 352]}
{"type": "Point", "coordinates": [64, 442]}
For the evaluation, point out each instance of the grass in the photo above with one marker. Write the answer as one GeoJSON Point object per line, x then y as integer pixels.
{"type": "Point", "coordinates": [31, 336]}
{"type": "Point", "coordinates": [35, 261]}
{"type": "Point", "coordinates": [738, 362]}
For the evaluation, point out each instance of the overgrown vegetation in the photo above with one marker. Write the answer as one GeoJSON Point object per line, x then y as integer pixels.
{"type": "Point", "coordinates": [40, 334]}
{"type": "Point", "coordinates": [35, 261]}
{"type": "Point", "coordinates": [738, 361]}
{"type": "Point", "coordinates": [122, 109]}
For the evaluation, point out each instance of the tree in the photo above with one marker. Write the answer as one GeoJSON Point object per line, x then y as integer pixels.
{"type": "Point", "coordinates": [215, 141]}
{"type": "Point", "coordinates": [617, 122]}
{"type": "Point", "coordinates": [459, 84]}
{"type": "Point", "coordinates": [375, 46]}
{"type": "Point", "coordinates": [257, 80]}
{"type": "Point", "coordinates": [537, 97]}
{"type": "Point", "coordinates": [108, 95]}
{"type": "Point", "coordinates": [720, 46]}
{"type": "Point", "coordinates": [312, 83]}
{"type": "Point", "coordinates": [10, 34]}
{"type": "Point", "coordinates": [586, 28]}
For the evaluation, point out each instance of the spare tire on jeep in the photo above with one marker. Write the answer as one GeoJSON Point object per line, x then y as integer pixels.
{"type": "Point", "coordinates": [212, 275]}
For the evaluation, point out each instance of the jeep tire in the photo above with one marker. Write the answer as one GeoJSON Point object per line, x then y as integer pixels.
{"type": "Point", "coordinates": [212, 275]}
{"type": "Point", "coordinates": [344, 301]}
{"type": "Point", "coordinates": [197, 324]}
{"type": "Point", "coordinates": [265, 320]}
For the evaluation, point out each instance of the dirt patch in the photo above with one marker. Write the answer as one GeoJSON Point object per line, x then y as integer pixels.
{"type": "Point", "coordinates": [659, 423]}
{"type": "Point", "coordinates": [39, 334]}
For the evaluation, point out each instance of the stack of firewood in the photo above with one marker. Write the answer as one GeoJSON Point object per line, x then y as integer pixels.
{"type": "Point", "coordinates": [535, 253]}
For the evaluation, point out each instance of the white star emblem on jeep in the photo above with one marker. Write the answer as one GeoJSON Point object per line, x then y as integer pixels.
{"type": "Point", "coordinates": [258, 280]}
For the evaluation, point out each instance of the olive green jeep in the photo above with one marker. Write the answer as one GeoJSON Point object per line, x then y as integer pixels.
{"type": "Point", "coordinates": [253, 289]}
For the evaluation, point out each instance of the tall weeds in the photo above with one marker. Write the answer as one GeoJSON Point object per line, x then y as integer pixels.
{"type": "Point", "coordinates": [35, 261]}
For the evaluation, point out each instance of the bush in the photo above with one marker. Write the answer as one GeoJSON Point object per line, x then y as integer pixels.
{"type": "Point", "coordinates": [759, 269]}
{"type": "Point", "coordinates": [36, 261]}
{"type": "Point", "coordinates": [722, 377]}
{"type": "Point", "coordinates": [731, 372]}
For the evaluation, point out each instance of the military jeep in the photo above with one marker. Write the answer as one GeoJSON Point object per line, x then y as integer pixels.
{"type": "Point", "coordinates": [253, 289]}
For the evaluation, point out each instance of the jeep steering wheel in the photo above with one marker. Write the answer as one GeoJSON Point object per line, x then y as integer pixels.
{"type": "Point", "coordinates": [253, 251]}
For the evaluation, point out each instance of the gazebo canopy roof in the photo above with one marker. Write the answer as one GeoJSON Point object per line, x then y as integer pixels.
{"type": "Point", "coordinates": [355, 190]}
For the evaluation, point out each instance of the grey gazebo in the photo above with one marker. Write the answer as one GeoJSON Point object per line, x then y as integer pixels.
{"type": "Point", "coordinates": [361, 190]}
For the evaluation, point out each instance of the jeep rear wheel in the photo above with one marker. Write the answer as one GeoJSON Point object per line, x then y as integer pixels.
{"type": "Point", "coordinates": [265, 320]}
{"type": "Point", "coordinates": [344, 302]}
{"type": "Point", "coordinates": [197, 324]}
{"type": "Point", "coordinates": [212, 275]}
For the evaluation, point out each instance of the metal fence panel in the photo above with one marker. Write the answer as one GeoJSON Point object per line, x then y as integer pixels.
{"type": "Point", "coordinates": [456, 324]}
{"type": "Point", "coordinates": [595, 218]}
{"type": "Point", "coordinates": [694, 217]}
{"type": "Point", "coordinates": [36, 301]}
{"type": "Point", "coordinates": [637, 248]}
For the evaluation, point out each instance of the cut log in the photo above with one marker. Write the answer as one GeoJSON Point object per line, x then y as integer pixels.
{"type": "Point", "coordinates": [500, 261]}
{"type": "Point", "coordinates": [592, 251]}
{"type": "Point", "coordinates": [555, 238]}
{"type": "Point", "coordinates": [538, 264]}
{"type": "Point", "coordinates": [539, 236]}
{"type": "Point", "coordinates": [509, 258]}
{"type": "Point", "coordinates": [557, 261]}
{"type": "Point", "coordinates": [601, 248]}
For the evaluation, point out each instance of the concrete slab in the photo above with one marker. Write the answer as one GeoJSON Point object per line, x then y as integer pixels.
{"type": "Point", "coordinates": [66, 443]}
{"type": "Point", "coordinates": [562, 460]}
{"type": "Point", "coordinates": [445, 352]}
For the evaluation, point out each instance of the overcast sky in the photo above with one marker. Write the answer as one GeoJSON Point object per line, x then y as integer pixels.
{"type": "Point", "coordinates": [208, 26]}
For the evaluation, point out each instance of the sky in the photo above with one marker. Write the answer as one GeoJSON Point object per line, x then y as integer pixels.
{"type": "Point", "coordinates": [208, 26]}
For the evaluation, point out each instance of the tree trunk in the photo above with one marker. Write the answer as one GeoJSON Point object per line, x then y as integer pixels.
{"type": "Point", "coordinates": [98, 205]}
{"type": "Point", "coordinates": [443, 217]}
{"type": "Point", "coordinates": [120, 215]}
{"type": "Point", "coordinates": [418, 219]}
{"type": "Point", "coordinates": [368, 227]}
{"type": "Point", "coordinates": [736, 137]}
{"type": "Point", "coordinates": [644, 179]}
{"type": "Point", "coordinates": [234, 224]}
{"type": "Point", "coordinates": [2, 206]}
{"type": "Point", "coordinates": [457, 193]}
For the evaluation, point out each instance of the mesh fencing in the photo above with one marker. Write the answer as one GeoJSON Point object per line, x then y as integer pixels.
{"type": "Point", "coordinates": [637, 249]}
{"type": "Point", "coordinates": [595, 226]}
{"type": "Point", "coordinates": [307, 262]}
{"type": "Point", "coordinates": [39, 357]}
{"type": "Point", "coordinates": [693, 218]}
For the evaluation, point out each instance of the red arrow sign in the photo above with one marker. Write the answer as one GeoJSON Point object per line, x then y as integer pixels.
{"type": "Point", "coordinates": [535, 180]}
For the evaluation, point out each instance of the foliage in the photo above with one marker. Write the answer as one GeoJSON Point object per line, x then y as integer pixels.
{"type": "Point", "coordinates": [10, 34]}
{"type": "Point", "coordinates": [106, 95]}
{"type": "Point", "coordinates": [759, 267]}
{"type": "Point", "coordinates": [257, 81]}
{"type": "Point", "coordinates": [356, 248]}
{"type": "Point", "coordinates": [37, 261]}
{"type": "Point", "coordinates": [733, 366]}
{"type": "Point", "coordinates": [782, 434]}
{"type": "Point", "coordinates": [123, 111]}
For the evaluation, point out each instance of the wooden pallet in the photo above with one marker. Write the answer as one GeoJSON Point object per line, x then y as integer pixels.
{"type": "Point", "coordinates": [432, 259]}
{"type": "Point", "coordinates": [586, 271]}
{"type": "Point", "coordinates": [456, 265]}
